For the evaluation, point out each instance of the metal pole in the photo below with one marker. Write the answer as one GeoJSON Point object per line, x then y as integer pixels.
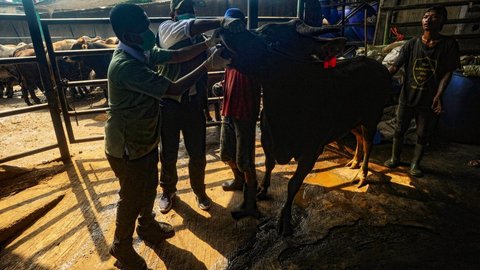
{"type": "Point", "coordinates": [365, 30]}
{"type": "Point", "coordinates": [60, 87]}
{"type": "Point", "coordinates": [34, 27]}
{"type": "Point", "coordinates": [252, 7]}
{"type": "Point", "coordinates": [386, 29]}
{"type": "Point", "coordinates": [300, 9]}
{"type": "Point", "coordinates": [343, 20]}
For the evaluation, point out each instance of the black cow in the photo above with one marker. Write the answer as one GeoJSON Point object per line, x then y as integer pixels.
{"type": "Point", "coordinates": [98, 63]}
{"type": "Point", "coordinates": [307, 106]}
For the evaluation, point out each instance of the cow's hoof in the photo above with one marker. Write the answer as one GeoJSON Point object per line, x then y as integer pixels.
{"type": "Point", "coordinates": [37, 101]}
{"type": "Point", "coordinates": [262, 195]}
{"type": "Point", "coordinates": [284, 228]}
{"type": "Point", "coordinates": [353, 164]}
{"type": "Point", "coordinates": [243, 213]}
{"type": "Point", "coordinates": [28, 103]}
{"type": "Point", "coordinates": [362, 183]}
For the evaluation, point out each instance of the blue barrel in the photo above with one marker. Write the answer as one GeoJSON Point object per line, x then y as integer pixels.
{"type": "Point", "coordinates": [329, 11]}
{"type": "Point", "coordinates": [460, 121]}
{"type": "Point", "coordinates": [356, 15]}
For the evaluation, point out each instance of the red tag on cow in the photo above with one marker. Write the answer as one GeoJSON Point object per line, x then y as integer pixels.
{"type": "Point", "coordinates": [330, 63]}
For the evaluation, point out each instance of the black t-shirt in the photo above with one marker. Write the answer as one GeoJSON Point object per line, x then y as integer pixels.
{"type": "Point", "coordinates": [425, 68]}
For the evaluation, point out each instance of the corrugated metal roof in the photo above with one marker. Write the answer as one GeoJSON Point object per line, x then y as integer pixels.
{"type": "Point", "coordinates": [84, 4]}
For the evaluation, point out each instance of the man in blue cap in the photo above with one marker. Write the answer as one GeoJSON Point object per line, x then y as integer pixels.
{"type": "Point", "coordinates": [184, 113]}
{"type": "Point", "coordinates": [241, 105]}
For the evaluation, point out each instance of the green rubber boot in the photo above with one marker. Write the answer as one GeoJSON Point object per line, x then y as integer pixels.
{"type": "Point", "coordinates": [394, 161]}
{"type": "Point", "coordinates": [415, 169]}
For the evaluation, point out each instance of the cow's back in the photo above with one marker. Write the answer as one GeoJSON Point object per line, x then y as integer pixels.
{"type": "Point", "coordinates": [308, 106]}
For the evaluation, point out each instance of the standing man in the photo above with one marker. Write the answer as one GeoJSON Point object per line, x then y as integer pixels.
{"type": "Point", "coordinates": [429, 61]}
{"type": "Point", "coordinates": [132, 127]}
{"type": "Point", "coordinates": [185, 112]}
{"type": "Point", "coordinates": [241, 105]}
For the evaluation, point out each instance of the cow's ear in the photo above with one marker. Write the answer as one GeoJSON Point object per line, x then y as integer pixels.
{"type": "Point", "coordinates": [329, 47]}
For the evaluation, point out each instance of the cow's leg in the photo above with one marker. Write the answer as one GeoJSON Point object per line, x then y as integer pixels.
{"type": "Point", "coordinates": [25, 96]}
{"type": "Point", "coordinates": [305, 165]}
{"type": "Point", "coordinates": [9, 91]}
{"type": "Point", "coordinates": [31, 91]}
{"type": "Point", "coordinates": [355, 162]}
{"type": "Point", "coordinates": [269, 166]}
{"type": "Point", "coordinates": [1, 90]}
{"type": "Point", "coordinates": [269, 158]}
{"type": "Point", "coordinates": [368, 134]}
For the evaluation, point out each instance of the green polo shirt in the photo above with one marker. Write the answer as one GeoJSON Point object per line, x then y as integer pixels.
{"type": "Point", "coordinates": [134, 91]}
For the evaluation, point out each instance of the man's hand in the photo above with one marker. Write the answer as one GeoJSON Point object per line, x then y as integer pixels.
{"type": "Point", "coordinates": [216, 61]}
{"type": "Point", "coordinates": [233, 25]}
{"type": "Point", "coordinates": [214, 39]}
{"type": "Point", "coordinates": [437, 105]}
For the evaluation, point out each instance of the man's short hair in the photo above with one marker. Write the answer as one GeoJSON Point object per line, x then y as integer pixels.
{"type": "Point", "coordinates": [128, 18]}
{"type": "Point", "coordinates": [177, 4]}
{"type": "Point", "coordinates": [439, 10]}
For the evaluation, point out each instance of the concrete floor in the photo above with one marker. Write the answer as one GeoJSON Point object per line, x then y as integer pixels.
{"type": "Point", "coordinates": [68, 218]}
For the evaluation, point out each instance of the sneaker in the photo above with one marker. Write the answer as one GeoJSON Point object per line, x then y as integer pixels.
{"type": "Point", "coordinates": [155, 232]}
{"type": "Point", "coordinates": [204, 202]}
{"type": "Point", "coordinates": [166, 202]}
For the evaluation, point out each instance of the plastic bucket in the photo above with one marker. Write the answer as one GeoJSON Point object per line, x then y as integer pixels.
{"type": "Point", "coordinates": [460, 120]}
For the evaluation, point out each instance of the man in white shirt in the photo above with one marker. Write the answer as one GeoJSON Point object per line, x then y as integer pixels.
{"type": "Point", "coordinates": [185, 112]}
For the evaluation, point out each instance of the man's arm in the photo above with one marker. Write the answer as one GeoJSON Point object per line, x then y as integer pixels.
{"type": "Point", "coordinates": [437, 100]}
{"type": "Point", "coordinates": [181, 85]}
{"type": "Point", "coordinates": [187, 53]}
{"type": "Point", "coordinates": [200, 26]}
{"type": "Point", "coordinates": [392, 70]}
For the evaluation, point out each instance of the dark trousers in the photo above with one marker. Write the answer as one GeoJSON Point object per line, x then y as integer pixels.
{"type": "Point", "coordinates": [425, 120]}
{"type": "Point", "coordinates": [237, 143]}
{"type": "Point", "coordinates": [138, 189]}
{"type": "Point", "coordinates": [187, 117]}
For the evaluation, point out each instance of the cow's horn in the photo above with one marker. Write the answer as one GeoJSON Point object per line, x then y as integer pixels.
{"type": "Point", "coordinates": [307, 30]}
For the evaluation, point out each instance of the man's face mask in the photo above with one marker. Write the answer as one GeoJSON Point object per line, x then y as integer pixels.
{"type": "Point", "coordinates": [148, 38]}
{"type": "Point", "coordinates": [185, 16]}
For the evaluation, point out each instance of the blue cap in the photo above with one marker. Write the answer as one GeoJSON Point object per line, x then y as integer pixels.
{"type": "Point", "coordinates": [234, 13]}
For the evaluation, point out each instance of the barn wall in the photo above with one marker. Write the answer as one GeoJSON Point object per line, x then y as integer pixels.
{"type": "Point", "coordinates": [415, 15]}
{"type": "Point", "coordinates": [12, 32]}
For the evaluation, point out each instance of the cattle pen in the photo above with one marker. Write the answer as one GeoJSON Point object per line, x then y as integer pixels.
{"type": "Point", "coordinates": [58, 194]}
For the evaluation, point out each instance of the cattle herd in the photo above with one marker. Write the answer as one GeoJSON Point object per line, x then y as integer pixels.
{"type": "Point", "coordinates": [27, 76]}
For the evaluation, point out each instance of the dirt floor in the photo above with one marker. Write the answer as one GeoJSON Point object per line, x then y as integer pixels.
{"type": "Point", "coordinates": [56, 216]}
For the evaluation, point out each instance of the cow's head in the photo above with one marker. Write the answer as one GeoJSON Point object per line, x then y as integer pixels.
{"type": "Point", "coordinates": [99, 63]}
{"type": "Point", "coordinates": [293, 40]}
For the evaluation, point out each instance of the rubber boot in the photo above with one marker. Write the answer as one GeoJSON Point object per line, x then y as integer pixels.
{"type": "Point", "coordinates": [235, 184]}
{"type": "Point", "coordinates": [415, 169]}
{"type": "Point", "coordinates": [394, 161]}
{"type": "Point", "coordinates": [127, 257]}
{"type": "Point", "coordinates": [249, 204]}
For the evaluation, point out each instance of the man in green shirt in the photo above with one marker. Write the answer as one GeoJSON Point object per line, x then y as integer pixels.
{"type": "Point", "coordinates": [132, 127]}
